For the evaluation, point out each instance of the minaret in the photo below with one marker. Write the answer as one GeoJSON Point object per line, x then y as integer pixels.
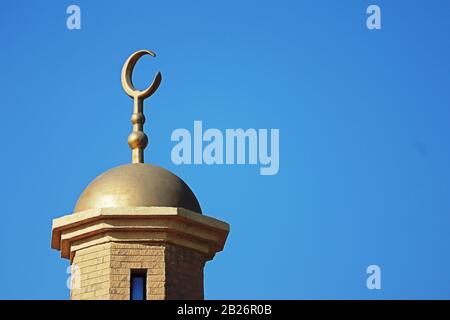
{"type": "Point", "coordinates": [137, 231]}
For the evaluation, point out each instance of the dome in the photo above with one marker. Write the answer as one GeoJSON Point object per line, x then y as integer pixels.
{"type": "Point", "coordinates": [137, 185]}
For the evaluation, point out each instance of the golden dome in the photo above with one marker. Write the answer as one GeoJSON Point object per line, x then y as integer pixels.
{"type": "Point", "coordinates": [137, 185]}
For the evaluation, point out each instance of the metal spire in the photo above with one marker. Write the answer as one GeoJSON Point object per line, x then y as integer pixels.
{"type": "Point", "coordinates": [137, 140]}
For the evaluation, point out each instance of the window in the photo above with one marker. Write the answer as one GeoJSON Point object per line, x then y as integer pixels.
{"type": "Point", "coordinates": [138, 284]}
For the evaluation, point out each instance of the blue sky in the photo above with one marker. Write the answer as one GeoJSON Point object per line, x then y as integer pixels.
{"type": "Point", "coordinates": [364, 136]}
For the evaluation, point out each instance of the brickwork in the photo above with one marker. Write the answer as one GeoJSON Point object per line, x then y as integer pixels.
{"type": "Point", "coordinates": [93, 266]}
{"type": "Point", "coordinates": [128, 256]}
{"type": "Point", "coordinates": [173, 272]}
{"type": "Point", "coordinates": [184, 274]}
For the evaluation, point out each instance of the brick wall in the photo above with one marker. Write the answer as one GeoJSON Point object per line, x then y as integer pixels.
{"type": "Point", "coordinates": [92, 265]}
{"type": "Point", "coordinates": [184, 273]}
{"type": "Point", "coordinates": [173, 272]}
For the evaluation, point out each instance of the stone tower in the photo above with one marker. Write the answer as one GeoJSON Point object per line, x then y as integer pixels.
{"type": "Point", "coordinates": [137, 231]}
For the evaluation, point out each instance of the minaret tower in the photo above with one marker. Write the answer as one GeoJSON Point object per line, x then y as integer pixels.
{"type": "Point", "coordinates": [137, 231]}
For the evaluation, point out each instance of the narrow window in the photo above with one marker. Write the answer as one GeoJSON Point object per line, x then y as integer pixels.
{"type": "Point", "coordinates": [138, 285]}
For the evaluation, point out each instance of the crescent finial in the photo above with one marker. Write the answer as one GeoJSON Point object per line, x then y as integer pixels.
{"type": "Point", "coordinates": [138, 140]}
{"type": "Point", "coordinates": [127, 71]}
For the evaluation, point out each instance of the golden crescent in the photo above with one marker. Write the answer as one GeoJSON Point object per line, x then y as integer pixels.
{"type": "Point", "coordinates": [127, 70]}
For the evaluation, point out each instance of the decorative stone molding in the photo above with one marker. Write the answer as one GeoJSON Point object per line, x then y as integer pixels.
{"type": "Point", "coordinates": [169, 225]}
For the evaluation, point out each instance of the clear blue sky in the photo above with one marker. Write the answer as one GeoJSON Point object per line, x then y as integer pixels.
{"type": "Point", "coordinates": [364, 119]}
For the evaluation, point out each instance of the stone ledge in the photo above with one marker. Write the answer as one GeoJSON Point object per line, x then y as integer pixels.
{"type": "Point", "coordinates": [139, 224]}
